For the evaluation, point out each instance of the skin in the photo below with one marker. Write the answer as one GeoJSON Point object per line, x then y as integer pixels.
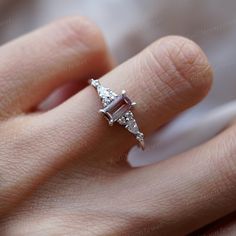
{"type": "Point", "coordinates": [62, 169]}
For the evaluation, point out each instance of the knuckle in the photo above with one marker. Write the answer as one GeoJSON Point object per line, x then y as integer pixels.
{"type": "Point", "coordinates": [80, 30]}
{"type": "Point", "coordinates": [181, 65]}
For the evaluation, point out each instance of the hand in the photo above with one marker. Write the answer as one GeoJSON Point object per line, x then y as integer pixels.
{"type": "Point", "coordinates": [63, 171]}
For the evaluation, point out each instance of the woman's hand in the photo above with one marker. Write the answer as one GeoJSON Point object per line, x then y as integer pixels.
{"type": "Point", "coordinates": [64, 172]}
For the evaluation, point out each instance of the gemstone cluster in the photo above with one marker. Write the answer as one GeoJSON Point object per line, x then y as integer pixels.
{"type": "Point", "coordinates": [117, 108]}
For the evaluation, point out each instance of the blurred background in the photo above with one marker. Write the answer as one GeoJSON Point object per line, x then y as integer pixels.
{"type": "Point", "coordinates": [129, 26]}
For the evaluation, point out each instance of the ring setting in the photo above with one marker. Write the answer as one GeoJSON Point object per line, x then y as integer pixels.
{"type": "Point", "coordinates": [117, 108]}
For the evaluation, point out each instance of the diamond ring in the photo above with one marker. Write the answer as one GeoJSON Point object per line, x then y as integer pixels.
{"type": "Point", "coordinates": [117, 108]}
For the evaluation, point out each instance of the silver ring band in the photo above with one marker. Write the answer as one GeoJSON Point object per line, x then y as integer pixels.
{"type": "Point", "coordinates": [117, 108]}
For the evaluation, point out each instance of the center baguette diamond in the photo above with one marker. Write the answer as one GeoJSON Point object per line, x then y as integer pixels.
{"type": "Point", "coordinates": [117, 108]}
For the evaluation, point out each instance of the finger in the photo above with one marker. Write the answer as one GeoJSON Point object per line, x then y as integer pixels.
{"type": "Point", "coordinates": [166, 78]}
{"type": "Point", "coordinates": [169, 76]}
{"type": "Point", "coordinates": [67, 50]}
{"type": "Point", "coordinates": [34, 65]}
{"type": "Point", "coordinates": [190, 191]}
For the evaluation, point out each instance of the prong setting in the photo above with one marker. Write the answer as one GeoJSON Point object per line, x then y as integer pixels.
{"type": "Point", "coordinates": [123, 92]}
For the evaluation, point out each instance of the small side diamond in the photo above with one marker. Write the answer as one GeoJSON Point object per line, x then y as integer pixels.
{"type": "Point", "coordinates": [129, 115]}
{"type": "Point", "coordinates": [127, 118]}
{"type": "Point", "coordinates": [106, 95]}
{"type": "Point", "coordinates": [95, 83]}
{"type": "Point", "coordinates": [140, 137]}
{"type": "Point", "coordinates": [132, 126]}
{"type": "Point", "coordinates": [122, 121]}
